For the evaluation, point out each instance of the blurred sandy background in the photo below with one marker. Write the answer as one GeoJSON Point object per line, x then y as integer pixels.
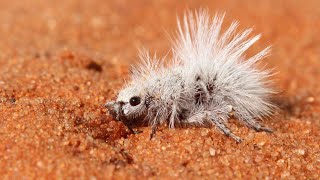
{"type": "Point", "coordinates": [61, 60]}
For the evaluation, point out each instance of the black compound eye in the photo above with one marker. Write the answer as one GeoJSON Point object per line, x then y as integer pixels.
{"type": "Point", "coordinates": [134, 101]}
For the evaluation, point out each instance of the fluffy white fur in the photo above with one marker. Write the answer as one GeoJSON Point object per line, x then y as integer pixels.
{"type": "Point", "coordinates": [208, 80]}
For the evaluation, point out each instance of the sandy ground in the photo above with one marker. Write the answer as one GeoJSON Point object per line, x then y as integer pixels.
{"type": "Point", "coordinates": [60, 61]}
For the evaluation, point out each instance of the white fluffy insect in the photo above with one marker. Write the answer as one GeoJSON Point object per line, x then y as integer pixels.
{"type": "Point", "coordinates": [207, 81]}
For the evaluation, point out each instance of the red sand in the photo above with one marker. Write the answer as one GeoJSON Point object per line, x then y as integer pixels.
{"type": "Point", "coordinates": [61, 61]}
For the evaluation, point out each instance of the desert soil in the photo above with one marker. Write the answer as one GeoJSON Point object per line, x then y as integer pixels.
{"type": "Point", "coordinates": [60, 61]}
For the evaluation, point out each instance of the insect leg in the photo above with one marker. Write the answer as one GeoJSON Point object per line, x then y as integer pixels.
{"type": "Point", "coordinates": [219, 123]}
{"type": "Point", "coordinates": [253, 124]}
{"type": "Point", "coordinates": [154, 125]}
{"type": "Point", "coordinates": [159, 115]}
{"type": "Point", "coordinates": [212, 117]}
{"type": "Point", "coordinates": [135, 131]}
{"type": "Point", "coordinates": [130, 128]}
{"type": "Point", "coordinates": [259, 128]}
{"type": "Point", "coordinates": [154, 129]}
{"type": "Point", "coordinates": [172, 116]}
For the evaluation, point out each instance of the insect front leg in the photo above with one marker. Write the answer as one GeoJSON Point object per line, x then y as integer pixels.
{"type": "Point", "coordinates": [154, 129]}
{"type": "Point", "coordinates": [130, 128]}
{"type": "Point", "coordinates": [155, 123]}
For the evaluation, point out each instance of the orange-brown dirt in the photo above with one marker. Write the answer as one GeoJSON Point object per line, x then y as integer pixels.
{"type": "Point", "coordinates": [60, 61]}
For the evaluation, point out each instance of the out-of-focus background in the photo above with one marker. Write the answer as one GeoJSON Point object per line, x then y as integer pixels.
{"type": "Point", "coordinates": [61, 60]}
